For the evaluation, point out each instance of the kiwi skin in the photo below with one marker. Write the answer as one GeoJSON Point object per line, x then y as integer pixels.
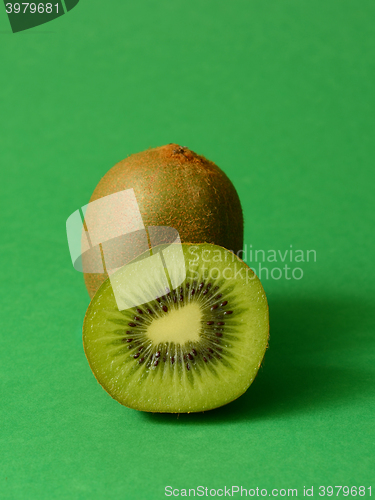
{"type": "Point", "coordinates": [178, 188]}
{"type": "Point", "coordinates": [169, 411]}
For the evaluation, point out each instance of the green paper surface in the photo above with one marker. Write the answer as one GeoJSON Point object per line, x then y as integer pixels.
{"type": "Point", "coordinates": [281, 96]}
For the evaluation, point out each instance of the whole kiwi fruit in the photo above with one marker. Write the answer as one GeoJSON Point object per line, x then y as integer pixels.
{"type": "Point", "coordinates": [178, 188]}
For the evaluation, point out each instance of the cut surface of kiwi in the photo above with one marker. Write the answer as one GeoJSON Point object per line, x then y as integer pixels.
{"type": "Point", "coordinates": [193, 347]}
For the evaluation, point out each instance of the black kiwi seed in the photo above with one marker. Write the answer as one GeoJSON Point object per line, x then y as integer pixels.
{"type": "Point", "coordinates": [165, 309]}
{"type": "Point", "coordinates": [133, 325]}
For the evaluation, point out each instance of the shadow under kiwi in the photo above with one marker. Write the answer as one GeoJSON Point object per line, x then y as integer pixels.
{"type": "Point", "coordinates": [305, 367]}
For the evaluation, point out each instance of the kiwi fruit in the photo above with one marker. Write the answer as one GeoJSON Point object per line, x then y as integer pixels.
{"type": "Point", "coordinates": [175, 187]}
{"type": "Point", "coordinates": [183, 328]}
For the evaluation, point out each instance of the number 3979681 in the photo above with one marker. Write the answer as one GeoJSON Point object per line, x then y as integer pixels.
{"type": "Point", "coordinates": [345, 490]}
{"type": "Point", "coordinates": [33, 8]}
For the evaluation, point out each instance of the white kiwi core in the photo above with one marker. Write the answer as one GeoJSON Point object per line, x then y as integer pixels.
{"type": "Point", "coordinates": [179, 325]}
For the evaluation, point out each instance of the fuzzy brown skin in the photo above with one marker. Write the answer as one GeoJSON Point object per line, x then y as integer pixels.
{"type": "Point", "coordinates": [175, 187]}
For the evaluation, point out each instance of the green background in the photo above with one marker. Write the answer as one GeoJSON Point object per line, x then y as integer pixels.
{"type": "Point", "coordinates": [280, 94]}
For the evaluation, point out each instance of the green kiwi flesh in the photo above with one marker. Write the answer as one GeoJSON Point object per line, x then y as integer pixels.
{"type": "Point", "coordinates": [194, 347]}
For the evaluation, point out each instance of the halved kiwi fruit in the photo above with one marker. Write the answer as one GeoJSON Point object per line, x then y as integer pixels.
{"type": "Point", "coordinates": [186, 348]}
